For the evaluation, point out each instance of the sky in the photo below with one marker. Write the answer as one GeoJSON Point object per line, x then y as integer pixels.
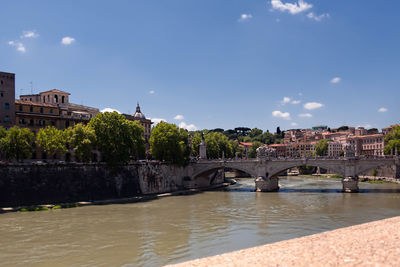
{"type": "Point", "coordinates": [208, 64]}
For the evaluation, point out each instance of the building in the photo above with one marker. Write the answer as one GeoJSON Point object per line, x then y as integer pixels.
{"type": "Point", "coordinates": [387, 130]}
{"type": "Point", "coordinates": [35, 115]}
{"type": "Point", "coordinates": [146, 123]}
{"type": "Point", "coordinates": [70, 114]}
{"type": "Point", "coordinates": [335, 149]}
{"type": "Point", "coordinates": [7, 97]}
{"type": "Point", "coordinates": [246, 146]}
{"type": "Point", "coordinates": [368, 144]}
{"type": "Point", "coordinates": [280, 149]}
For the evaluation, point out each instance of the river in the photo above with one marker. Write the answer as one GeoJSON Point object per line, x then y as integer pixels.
{"type": "Point", "coordinates": [181, 228]}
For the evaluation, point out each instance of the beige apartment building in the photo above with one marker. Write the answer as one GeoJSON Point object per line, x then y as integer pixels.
{"type": "Point", "coordinates": [368, 144]}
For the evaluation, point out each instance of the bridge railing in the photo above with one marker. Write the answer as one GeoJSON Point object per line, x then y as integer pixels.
{"type": "Point", "coordinates": [294, 158]}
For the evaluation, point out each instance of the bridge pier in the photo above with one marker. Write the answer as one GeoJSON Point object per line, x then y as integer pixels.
{"type": "Point", "coordinates": [267, 184]}
{"type": "Point", "coordinates": [350, 184]}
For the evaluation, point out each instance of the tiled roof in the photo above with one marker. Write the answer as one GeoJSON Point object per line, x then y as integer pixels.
{"type": "Point", "coordinates": [366, 136]}
{"type": "Point", "coordinates": [31, 103]}
{"type": "Point", "coordinates": [245, 144]}
{"type": "Point", "coordinates": [55, 91]}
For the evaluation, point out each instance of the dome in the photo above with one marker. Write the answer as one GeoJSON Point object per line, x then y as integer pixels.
{"type": "Point", "coordinates": [138, 114]}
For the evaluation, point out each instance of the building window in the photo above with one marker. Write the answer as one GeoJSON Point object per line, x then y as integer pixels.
{"type": "Point", "coordinates": [31, 122]}
{"type": "Point", "coordinates": [21, 121]}
{"type": "Point", "coordinates": [53, 123]}
{"type": "Point", "coordinates": [56, 98]}
{"type": "Point", "coordinates": [62, 99]}
{"type": "Point", "coordinates": [1, 82]}
{"type": "Point", "coordinates": [20, 107]}
{"type": "Point", "coordinates": [41, 110]}
{"type": "Point", "coordinates": [6, 119]}
{"type": "Point", "coordinates": [44, 99]}
{"type": "Point", "coordinates": [1, 94]}
{"type": "Point", "coordinates": [51, 111]}
{"type": "Point", "coordinates": [7, 106]}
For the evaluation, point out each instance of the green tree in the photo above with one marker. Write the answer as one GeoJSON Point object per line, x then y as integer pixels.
{"type": "Point", "coordinates": [51, 140]}
{"type": "Point", "coordinates": [253, 149]}
{"type": "Point", "coordinates": [196, 140]}
{"type": "Point", "coordinates": [17, 143]}
{"type": "Point", "coordinates": [216, 144]}
{"type": "Point", "coordinates": [82, 140]}
{"type": "Point", "coordinates": [117, 138]}
{"type": "Point", "coordinates": [392, 140]}
{"type": "Point", "coordinates": [3, 132]}
{"type": "Point", "coordinates": [236, 149]}
{"type": "Point", "coordinates": [255, 132]}
{"type": "Point", "coordinates": [169, 143]}
{"type": "Point", "coordinates": [321, 148]}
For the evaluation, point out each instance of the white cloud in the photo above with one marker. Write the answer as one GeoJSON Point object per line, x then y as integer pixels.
{"type": "Point", "coordinates": [292, 8]}
{"type": "Point", "coordinates": [189, 127]}
{"type": "Point", "coordinates": [109, 110]}
{"type": "Point", "coordinates": [300, 94]}
{"type": "Point", "coordinates": [279, 114]}
{"type": "Point", "coordinates": [315, 17]}
{"type": "Point", "coordinates": [157, 120]}
{"type": "Point", "coordinates": [294, 124]}
{"type": "Point", "coordinates": [179, 117]}
{"type": "Point", "coordinates": [18, 45]}
{"type": "Point", "coordinates": [286, 100]}
{"type": "Point", "coordinates": [67, 40]}
{"type": "Point", "coordinates": [313, 105]}
{"type": "Point", "coordinates": [366, 126]}
{"type": "Point", "coordinates": [305, 115]}
{"type": "Point", "coordinates": [295, 102]}
{"type": "Point", "coordinates": [336, 80]}
{"type": "Point", "coordinates": [29, 34]}
{"type": "Point", "coordinates": [382, 109]}
{"type": "Point", "coordinates": [152, 92]}
{"type": "Point", "coordinates": [244, 17]}
{"type": "Point", "coordinates": [277, 20]}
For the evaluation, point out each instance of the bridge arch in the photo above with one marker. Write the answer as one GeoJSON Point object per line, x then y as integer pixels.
{"type": "Point", "coordinates": [252, 173]}
{"type": "Point", "coordinates": [338, 169]}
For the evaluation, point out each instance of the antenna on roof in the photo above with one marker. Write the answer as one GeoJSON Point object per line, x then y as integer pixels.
{"type": "Point", "coordinates": [31, 87]}
{"type": "Point", "coordinates": [20, 92]}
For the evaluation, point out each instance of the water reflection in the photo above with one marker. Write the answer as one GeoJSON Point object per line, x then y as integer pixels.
{"type": "Point", "coordinates": [181, 228]}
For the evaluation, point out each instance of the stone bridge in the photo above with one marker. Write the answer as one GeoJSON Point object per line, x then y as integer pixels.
{"type": "Point", "coordinates": [266, 171]}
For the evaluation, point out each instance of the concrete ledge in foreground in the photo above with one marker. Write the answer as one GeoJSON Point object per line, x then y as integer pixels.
{"type": "Point", "coordinates": [370, 244]}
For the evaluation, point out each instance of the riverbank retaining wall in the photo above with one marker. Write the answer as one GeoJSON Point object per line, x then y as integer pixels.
{"type": "Point", "coordinates": [388, 171]}
{"type": "Point", "coordinates": [54, 183]}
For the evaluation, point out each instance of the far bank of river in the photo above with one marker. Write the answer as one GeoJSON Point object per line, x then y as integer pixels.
{"type": "Point", "coordinates": [181, 228]}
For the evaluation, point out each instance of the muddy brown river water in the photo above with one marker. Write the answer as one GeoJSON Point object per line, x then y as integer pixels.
{"type": "Point", "coordinates": [181, 228]}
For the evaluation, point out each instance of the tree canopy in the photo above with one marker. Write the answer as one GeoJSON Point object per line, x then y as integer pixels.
{"type": "Point", "coordinates": [82, 140]}
{"type": "Point", "coordinates": [16, 143]}
{"type": "Point", "coordinates": [392, 140]}
{"type": "Point", "coordinates": [321, 148]}
{"type": "Point", "coordinates": [169, 143]}
{"type": "Point", "coordinates": [51, 140]}
{"type": "Point", "coordinates": [216, 144]}
{"type": "Point", "coordinates": [117, 138]}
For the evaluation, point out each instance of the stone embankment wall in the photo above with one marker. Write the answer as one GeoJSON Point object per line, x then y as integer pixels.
{"type": "Point", "coordinates": [54, 183]}
{"type": "Point", "coordinates": [390, 171]}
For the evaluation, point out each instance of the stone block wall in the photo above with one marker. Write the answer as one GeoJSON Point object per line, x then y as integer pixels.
{"type": "Point", "coordinates": [56, 183]}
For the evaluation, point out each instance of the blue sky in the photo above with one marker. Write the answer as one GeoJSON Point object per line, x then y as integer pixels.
{"type": "Point", "coordinates": [293, 64]}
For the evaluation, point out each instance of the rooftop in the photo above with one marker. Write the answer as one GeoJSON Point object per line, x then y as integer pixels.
{"type": "Point", "coordinates": [55, 91]}
{"type": "Point", "coordinates": [31, 103]}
